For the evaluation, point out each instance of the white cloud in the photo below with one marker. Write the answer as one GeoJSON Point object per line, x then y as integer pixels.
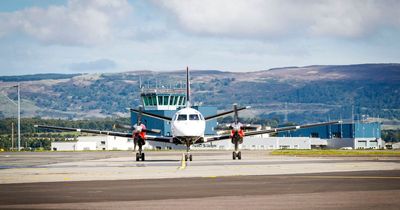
{"type": "Point", "coordinates": [79, 22]}
{"type": "Point", "coordinates": [272, 18]}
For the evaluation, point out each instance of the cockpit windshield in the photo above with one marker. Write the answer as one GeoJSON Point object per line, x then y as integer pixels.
{"type": "Point", "coordinates": [193, 117]}
{"type": "Point", "coordinates": [182, 117]}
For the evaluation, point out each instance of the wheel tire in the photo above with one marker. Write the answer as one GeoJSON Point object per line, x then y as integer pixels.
{"type": "Point", "coordinates": [186, 157]}
{"type": "Point", "coordinates": [142, 156]}
{"type": "Point", "coordinates": [239, 155]}
{"type": "Point", "coordinates": [190, 157]}
{"type": "Point", "coordinates": [137, 157]}
{"type": "Point", "coordinates": [234, 155]}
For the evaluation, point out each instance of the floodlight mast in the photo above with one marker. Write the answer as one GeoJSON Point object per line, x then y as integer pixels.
{"type": "Point", "coordinates": [18, 86]}
{"type": "Point", "coordinates": [19, 118]}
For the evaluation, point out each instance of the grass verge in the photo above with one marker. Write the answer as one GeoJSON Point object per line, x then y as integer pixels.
{"type": "Point", "coordinates": [333, 152]}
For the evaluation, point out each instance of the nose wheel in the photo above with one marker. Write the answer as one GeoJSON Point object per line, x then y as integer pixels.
{"type": "Point", "coordinates": [140, 156]}
{"type": "Point", "coordinates": [237, 155]}
{"type": "Point", "coordinates": [188, 157]}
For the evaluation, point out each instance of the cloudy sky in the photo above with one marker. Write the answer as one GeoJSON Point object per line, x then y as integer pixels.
{"type": "Point", "coordinates": [69, 36]}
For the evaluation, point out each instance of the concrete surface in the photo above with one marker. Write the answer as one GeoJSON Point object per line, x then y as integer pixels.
{"type": "Point", "coordinates": [108, 180]}
{"type": "Point", "coordinates": [86, 166]}
{"type": "Point", "coordinates": [345, 190]}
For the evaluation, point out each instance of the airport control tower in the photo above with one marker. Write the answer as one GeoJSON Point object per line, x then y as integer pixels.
{"type": "Point", "coordinates": [166, 102]}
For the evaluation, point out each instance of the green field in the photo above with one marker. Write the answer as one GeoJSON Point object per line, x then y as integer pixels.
{"type": "Point", "coordinates": [337, 152]}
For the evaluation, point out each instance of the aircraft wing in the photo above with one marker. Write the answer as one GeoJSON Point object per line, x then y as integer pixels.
{"type": "Point", "coordinates": [224, 113]}
{"type": "Point", "coordinates": [110, 133]}
{"type": "Point", "coordinates": [273, 130]}
{"type": "Point", "coordinates": [163, 139]}
{"type": "Point", "coordinates": [168, 119]}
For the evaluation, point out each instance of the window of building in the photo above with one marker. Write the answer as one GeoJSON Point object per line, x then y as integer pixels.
{"type": "Point", "coordinates": [160, 100]}
{"type": "Point", "coordinates": [103, 142]}
{"type": "Point", "coordinates": [165, 100]}
{"type": "Point", "coordinates": [154, 100]}
{"type": "Point", "coordinates": [145, 101]}
{"type": "Point", "coordinates": [373, 144]}
{"type": "Point", "coordinates": [336, 135]}
{"type": "Point", "coordinates": [193, 117]}
{"type": "Point", "coordinates": [182, 117]}
{"type": "Point", "coordinates": [183, 100]}
{"type": "Point", "coordinates": [314, 135]}
{"type": "Point", "coordinates": [180, 100]}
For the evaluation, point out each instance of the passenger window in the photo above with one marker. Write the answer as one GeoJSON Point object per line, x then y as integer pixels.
{"type": "Point", "coordinates": [193, 117]}
{"type": "Point", "coordinates": [165, 100]}
{"type": "Point", "coordinates": [182, 117]}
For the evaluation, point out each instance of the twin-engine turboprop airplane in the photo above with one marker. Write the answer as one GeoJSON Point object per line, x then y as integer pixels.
{"type": "Point", "coordinates": [188, 127]}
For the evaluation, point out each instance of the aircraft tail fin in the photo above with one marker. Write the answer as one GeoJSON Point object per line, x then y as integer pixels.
{"type": "Point", "coordinates": [187, 87]}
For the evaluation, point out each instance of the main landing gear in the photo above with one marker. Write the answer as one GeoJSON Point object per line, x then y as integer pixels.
{"type": "Point", "coordinates": [188, 156]}
{"type": "Point", "coordinates": [236, 154]}
{"type": "Point", "coordinates": [140, 154]}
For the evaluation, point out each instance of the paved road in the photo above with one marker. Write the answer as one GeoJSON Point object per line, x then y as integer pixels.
{"type": "Point", "coordinates": [344, 190]}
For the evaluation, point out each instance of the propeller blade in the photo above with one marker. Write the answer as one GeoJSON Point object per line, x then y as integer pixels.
{"type": "Point", "coordinates": [235, 116]}
{"type": "Point", "coordinates": [249, 127]}
{"type": "Point", "coordinates": [128, 127]}
{"type": "Point", "coordinates": [154, 131]}
{"type": "Point", "coordinates": [139, 116]}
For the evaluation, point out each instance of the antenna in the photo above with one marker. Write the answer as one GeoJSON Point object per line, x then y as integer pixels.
{"type": "Point", "coordinates": [187, 87]}
{"type": "Point", "coordinates": [286, 113]}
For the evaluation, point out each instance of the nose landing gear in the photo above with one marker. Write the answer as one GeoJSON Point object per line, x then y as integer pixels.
{"type": "Point", "coordinates": [188, 156]}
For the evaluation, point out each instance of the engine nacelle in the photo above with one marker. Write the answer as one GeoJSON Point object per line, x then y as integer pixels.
{"type": "Point", "coordinates": [139, 134]}
{"type": "Point", "coordinates": [237, 136]}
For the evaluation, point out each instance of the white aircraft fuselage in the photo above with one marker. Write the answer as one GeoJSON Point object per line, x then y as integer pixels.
{"type": "Point", "coordinates": [188, 124]}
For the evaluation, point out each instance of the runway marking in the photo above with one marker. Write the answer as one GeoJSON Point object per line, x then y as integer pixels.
{"type": "Point", "coordinates": [183, 162]}
{"type": "Point", "coordinates": [351, 177]}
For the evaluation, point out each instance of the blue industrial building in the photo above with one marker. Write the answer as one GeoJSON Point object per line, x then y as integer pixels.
{"type": "Point", "coordinates": [344, 130]}
{"type": "Point", "coordinates": [358, 135]}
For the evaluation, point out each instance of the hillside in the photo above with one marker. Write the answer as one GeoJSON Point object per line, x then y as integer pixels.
{"type": "Point", "coordinates": [311, 93]}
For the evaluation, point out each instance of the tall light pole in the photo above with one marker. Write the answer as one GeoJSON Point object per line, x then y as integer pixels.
{"type": "Point", "coordinates": [12, 136]}
{"type": "Point", "coordinates": [19, 118]}
{"type": "Point", "coordinates": [19, 113]}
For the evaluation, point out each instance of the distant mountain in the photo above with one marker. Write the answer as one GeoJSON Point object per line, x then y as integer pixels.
{"type": "Point", "coordinates": [35, 77]}
{"type": "Point", "coordinates": [304, 94]}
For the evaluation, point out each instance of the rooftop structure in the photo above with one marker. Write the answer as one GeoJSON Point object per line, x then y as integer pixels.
{"type": "Point", "coordinates": [163, 99]}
